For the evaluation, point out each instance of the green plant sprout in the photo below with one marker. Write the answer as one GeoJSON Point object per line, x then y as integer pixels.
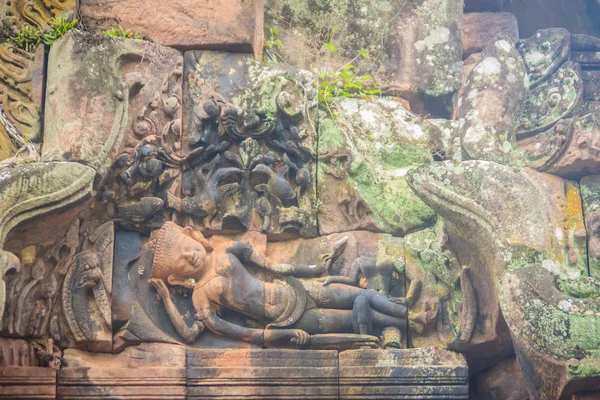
{"type": "Point", "coordinates": [344, 82]}
{"type": "Point", "coordinates": [123, 33]}
{"type": "Point", "coordinates": [28, 39]}
{"type": "Point", "coordinates": [273, 44]}
{"type": "Point", "coordinates": [58, 28]}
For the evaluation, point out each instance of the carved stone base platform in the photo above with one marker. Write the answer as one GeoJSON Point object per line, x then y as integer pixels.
{"type": "Point", "coordinates": [403, 374]}
{"type": "Point", "coordinates": [27, 383]}
{"type": "Point", "coordinates": [148, 371]}
{"type": "Point", "coordinates": [163, 371]}
{"type": "Point", "coordinates": [262, 374]}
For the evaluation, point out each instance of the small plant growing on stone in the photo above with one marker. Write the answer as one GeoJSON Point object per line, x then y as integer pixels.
{"type": "Point", "coordinates": [123, 33]}
{"type": "Point", "coordinates": [58, 28]}
{"type": "Point", "coordinates": [28, 39]}
{"type": "Point", "coordinates": [344, 82]}
{"type": "Point", "coordinates": [273, 44]}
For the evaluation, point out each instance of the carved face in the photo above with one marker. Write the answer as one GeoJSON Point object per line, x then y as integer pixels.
{"type": "Point", "coordinates": [190, 259]}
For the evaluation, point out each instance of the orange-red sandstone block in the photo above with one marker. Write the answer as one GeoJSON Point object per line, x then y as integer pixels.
{"type": "Point", "coordinates": [232, 25]}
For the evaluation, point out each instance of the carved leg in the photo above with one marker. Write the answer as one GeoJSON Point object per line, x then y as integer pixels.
{"type": "Point", "coordinates": [342, 296]}
{"type": "Point", "coordinates": [361, 316]}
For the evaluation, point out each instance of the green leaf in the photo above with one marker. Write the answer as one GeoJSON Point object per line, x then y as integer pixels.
{"type": "Point", "coordinates": [364, 53]}
{"type": "Point", "coordinates": [329, 47]}
{"type": "Point", "coordinates": [275, 31]}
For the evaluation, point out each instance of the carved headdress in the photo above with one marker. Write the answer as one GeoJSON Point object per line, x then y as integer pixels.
{"type": "Point", "coordinates": [169, 240]}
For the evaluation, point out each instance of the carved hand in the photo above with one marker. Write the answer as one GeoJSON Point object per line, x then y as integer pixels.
{"type": "Point", "coordinates": [161, 288]}
{"type": "Point", "coordinates": [298, 336]}
{"type": "Point", "coordinates": [398, 300]}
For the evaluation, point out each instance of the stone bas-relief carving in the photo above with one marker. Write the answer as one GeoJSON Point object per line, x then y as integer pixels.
{"type": "Point", "coordinates": [296, 307]}
{"type": "Point", "coordinates": [197, 226]}
{"type": "Point", "coordinates": [250, 161]}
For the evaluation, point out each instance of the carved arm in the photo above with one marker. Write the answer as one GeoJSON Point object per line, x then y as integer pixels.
{"type": "Point", "coordinates": [246, 253]}
{"type": "Point", "coordinates": [188, 334]}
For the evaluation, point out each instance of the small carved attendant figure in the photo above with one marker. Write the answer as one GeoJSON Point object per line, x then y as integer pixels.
{"type": "Point", "coordinates": [293, 307]}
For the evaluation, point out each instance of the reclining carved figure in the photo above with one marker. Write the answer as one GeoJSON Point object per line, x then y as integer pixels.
{"type": "Point", "coordinates": [293, 308]}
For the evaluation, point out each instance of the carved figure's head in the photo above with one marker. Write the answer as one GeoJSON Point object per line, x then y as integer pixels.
{"type": "Point", "coordinates": [179, 254]}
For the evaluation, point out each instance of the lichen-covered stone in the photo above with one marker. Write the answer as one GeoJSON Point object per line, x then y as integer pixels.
{"type": "Point", "coordinates": [556, 336]}
{"type": "Point", "coordinates": [544, 53]}
{"type": "Point", "coordinates": [491, 102]}
{"type": "Point", "coordinates": [438, 314]}
{"type": "Point", "coordinates": [429, 48]}
{"type": "Point", "coordinates": [590, 194]}
{"type": "Point", "coordinates": [551, 100]}
{"type": "Point", "coordinates": [499, 218]}
{"type": "Point", "coordinates": [580, 150]}
{"type": "Point", "coordinates": [364, 156]}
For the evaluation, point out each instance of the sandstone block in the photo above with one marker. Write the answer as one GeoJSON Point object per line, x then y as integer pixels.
{"type": "Point", "coordinates": [480, 28]}
{"type": "Point", "coordinates": [429, 49]}
{"type": "Point", "coordinates": [232, 25]}
{"type": "Point", "coordinates": [403, 374]}
{"type": "Point", "coordinates": [141, 372]}
{"type": "Point", "coordinates": [491, 101]}
{"type": "Point", "coordinates": [21, 89]}
{"type": "Point", "coordinates": [94, 113]}
{"type": "Point", "coordinates": [262, 374]}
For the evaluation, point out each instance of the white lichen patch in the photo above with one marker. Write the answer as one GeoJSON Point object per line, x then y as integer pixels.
{"type": "Point", "coordinates": [438, 36]}
{"type": "Point", "coordinates": [489, 66]}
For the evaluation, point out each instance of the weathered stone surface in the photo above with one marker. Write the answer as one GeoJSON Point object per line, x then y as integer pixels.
{"type": "Point", "coordinates": [233, 25]}
{"type": "Point", "coordinates": [27, 383]}
{"type": "Point", "coordinates": [135, 94]}
{"type": "Point", "coordinates": [403, 374]}
{"type": "Point", "coordinates": [31, 191]}
{"type": "Point", "coordinates": [492, 99]}
{"type": "Point", "coordinates": [253, 128]}
{"type": "Point", "coordinates": [441, 298]}
{"type": "Point", "coordinates": [64, 293]}
{"type": "Point", "coordinates": [591, 85]}
{"type": "Point", "coordinates": [544, 52]}
{"type": "Point", "coordinates": [503, 381]}
{"type": "Point", "coordinates": [555, 327]}
{"type": "Point", "coordinates": [480, 28]}
{"type": "Point", "coordinates": [21, 90]}
{"type": "Point", "coordinates": [150, 370]}
{"type": "Point", "coordinates": [17, 14]}
{"type": "Point", "coordinates": [429, 49]}
{"type": "Point", "coordinates": [24, 371]}
{"type": "Point", "coordinates": [580, 149]}
{"type": "Point", "coordinates": [262, 374]}
{"type": "Point", "coordinates": [590, 194]}
{"type": "Point", "coordinates": [551, 100]}
{"type": "Point", "coordinates": [486, 207]}
{"type": "Point", "coordinates": [363, 159]}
